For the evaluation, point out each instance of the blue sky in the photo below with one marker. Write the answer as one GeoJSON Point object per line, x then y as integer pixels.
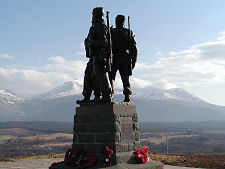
{"type": "Point", "coordinates": [181, 43]}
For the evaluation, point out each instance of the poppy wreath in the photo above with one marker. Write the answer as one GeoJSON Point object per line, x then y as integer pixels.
{"type": "Point", "coordinates": [79, 159]}
{"type": "Point", "coordinates": [142, 155]}
{"type": "Point", "coordinates": [89, 160]}
{"type": "Point", "coordinates": [71, 156]}
{"type": "Point", "coordinates": [56, 163]}
{"type": "Point", "coordinates": [108, 152]}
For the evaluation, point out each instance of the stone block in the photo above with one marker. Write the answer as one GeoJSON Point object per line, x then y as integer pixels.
{"type": "Point", "coordinates": [121, 148]}
{"type": "Point", "coordinates": [80, 146]}
{"type": "Point", "coordinates": [99, 147]}
{"type": "Point", "coordinates": [84, 118]}
{"type": "Point", "coordinates": [113, 127]}
{"type": "Point", "coordinates": [137, 145]}
{"type": "Point", "coordinates": [86, 138]}
{"type": "Point", "coordinates": [91, 127]}
{"type": "Point", "coordinates": [135, 126]}
{"type": "Point", "coordinates": [107, 117]}
{"type": "Point", "coordinates": [107, 138]}
{"type": "Point", "coordinates": [137, 135]}
{"type": "Point", "coordinates": [125, 109]}
{"type": "Point", "coordinates": [100, 108]}
{"type": "Point", "coordinates": [75, 138]}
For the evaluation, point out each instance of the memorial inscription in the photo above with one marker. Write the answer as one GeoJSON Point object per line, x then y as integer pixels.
{"type": "Point", "coordinates": [127, 133]}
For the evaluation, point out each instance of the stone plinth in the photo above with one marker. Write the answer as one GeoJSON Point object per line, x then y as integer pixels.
{"type": "Point", "coordinates": [114, 125]}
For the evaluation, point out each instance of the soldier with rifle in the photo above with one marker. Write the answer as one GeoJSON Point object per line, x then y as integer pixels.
{"type": "Point", "coordinates": [99, 50]}
{"type": "Point", "coordinates": [124, 50]}
{"type": "Point", "coordinates": [89, 77]}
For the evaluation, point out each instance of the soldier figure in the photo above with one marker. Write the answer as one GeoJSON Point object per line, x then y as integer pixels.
{"type": "Point", "coordinates": [89, 79]}
{"type": "Point", "coordinates": [124, 55]}
{"type": "Point", "coordinates": [97, 36]}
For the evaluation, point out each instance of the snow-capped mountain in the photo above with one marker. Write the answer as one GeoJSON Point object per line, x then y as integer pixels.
{"type": "Point", "coordinates": [151, 93]}
{"type": "Point", "coordinates": [152, 104]}
{"type": "Point", "coordinates": [9, 97]}
{"type": "Point", "coordinates": [181, 94]}
{"type": "Point", "coordinates": [66, 89]}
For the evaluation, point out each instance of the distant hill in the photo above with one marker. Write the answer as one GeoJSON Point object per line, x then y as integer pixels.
{"type": "Point", "coordinates": [152, 104]}
{"type": "Point", "coordinates": [153, 127]}
{"type": "Point", "coordinates": [40, 126]}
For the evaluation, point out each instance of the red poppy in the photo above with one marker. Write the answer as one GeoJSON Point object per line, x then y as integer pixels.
{"type": "Point", "coordinates": [142, 155]}
{"type": "Point", "coordinates": [108, 152]}
{"type": "Point", "coordinates": [71, 156]}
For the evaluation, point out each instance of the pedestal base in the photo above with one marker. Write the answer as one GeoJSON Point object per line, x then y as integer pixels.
{"type": "Point", "coordinates": [114, 125]}
{"type": "Point", "coordinates": [150, 165]}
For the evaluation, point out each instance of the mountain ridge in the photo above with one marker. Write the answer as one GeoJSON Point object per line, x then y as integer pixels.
{"type": "Point", "coordinates": [152, 104]}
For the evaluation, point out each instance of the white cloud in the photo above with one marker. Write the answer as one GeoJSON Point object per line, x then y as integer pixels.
{"type": "Point", "coordinates": [82, 45]}
{"type": "Point", "coordinates": [57, 59]}
{"type": "Point", "coordinates": [163, 84]}
{"type": "Point", "coordinates": [139, 83]}
{"type": "Point", "coordinates": [141, 66]}
{"type": "Point", "coordinates": [30, 82]}
{"type": "Point", "coordinates": [6, 56]}
{"type": "Point", "coordinates": [134, 82]}
{"type": "Point", "coordinates": [62, 65]}
{"type": "Point", "coordinates": [222, 36]}
{"type": "Point", "coordinates": [81, 53]}
{"type": "Point", "coordinates": [201, 64]}
{"type": "Point", "coordinates": [158, 54]}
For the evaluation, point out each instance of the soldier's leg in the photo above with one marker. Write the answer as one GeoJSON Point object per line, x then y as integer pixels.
{"type": "Point", "coordinates": [124, 73]}
{"type": "Point", "coordinates": [102, 80]}
{"type": "Point", "coordinates": [112, 77]}
{"type": "Point", "coordinates": [106, 88]}
{"type": "Point", "coordinates": [87, 85]}
{"type": "Point", "coordinates": [96, 87]}
{"type": "Point", "coordinates": [126, 87]}
{"type": "Point", "coordinates": [87, 89]}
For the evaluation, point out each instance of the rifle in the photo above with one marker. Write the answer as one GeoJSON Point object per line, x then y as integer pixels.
{"type": "Point", "coordinates": [129, 42]}
{"type": "Point", "coordinates": [109, 42]}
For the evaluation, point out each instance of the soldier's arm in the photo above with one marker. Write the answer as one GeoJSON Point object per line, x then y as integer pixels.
{"type": "Point", "coordinates": [86, 45]}
{"type": "Point", "coordinates": [134, 50]}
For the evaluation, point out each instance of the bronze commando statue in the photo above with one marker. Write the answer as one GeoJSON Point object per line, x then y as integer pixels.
{"type": "Point", "coordinates": [124, 55]}
{"type": "Point", "coordinates": [108, 50]}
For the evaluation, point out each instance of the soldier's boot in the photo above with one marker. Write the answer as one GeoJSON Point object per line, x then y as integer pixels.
{"type": "Point", "coordinates": [111, 95]}
{"type": "Point", "coordinates": [127, 98]}
{"type": "Point", "coordinates": [106, 99]}
{"type": "Point", "coordinates": [84, 100]}
{"type": "Point", "coordinates": [97, 99]}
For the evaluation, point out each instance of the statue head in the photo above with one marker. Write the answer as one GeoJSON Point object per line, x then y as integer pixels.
{"type": "Point", "coordinates": [120, 21]}
{"type": "Point", "coordinates": [97, 14]}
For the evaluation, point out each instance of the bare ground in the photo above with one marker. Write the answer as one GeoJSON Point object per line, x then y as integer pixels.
{"type": "Point", "coordinates": [205, 160]}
